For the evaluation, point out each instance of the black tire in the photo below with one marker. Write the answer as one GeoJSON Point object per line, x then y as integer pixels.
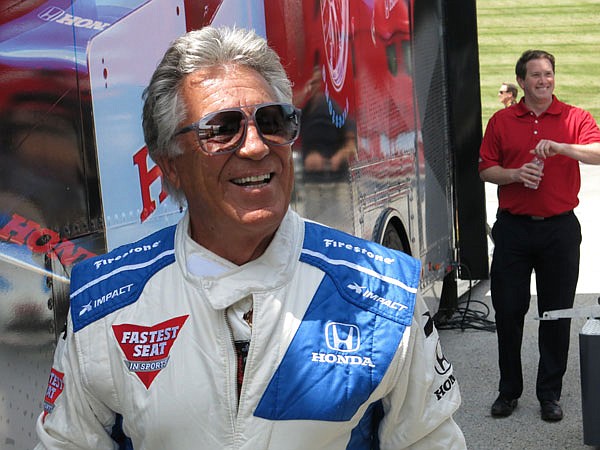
{"type": "Point", "coordinates": [392, 239]}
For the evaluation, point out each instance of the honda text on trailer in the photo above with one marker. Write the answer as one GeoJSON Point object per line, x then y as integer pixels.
{"type": "Point", "coordinates": [391, 126]}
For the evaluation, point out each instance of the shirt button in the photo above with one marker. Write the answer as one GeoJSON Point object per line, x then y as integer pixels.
{"type": "Point", "coordinates": [535, 132]}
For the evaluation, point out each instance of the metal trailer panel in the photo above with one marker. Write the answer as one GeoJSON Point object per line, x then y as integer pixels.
{"type": "Point", "coordinates": [133, 204]}
{"type": "Point", "coordinates": [465, 121]}
{"type": "Point", "coordinates": [431, 93]}
{"type": "Point", "coordinates": [387, 81]}
{"type": "Point", "coordinates": [50, 212]}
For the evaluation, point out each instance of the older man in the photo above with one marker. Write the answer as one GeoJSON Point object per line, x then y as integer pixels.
{"type": "Point", "coordinates": [244, 327]}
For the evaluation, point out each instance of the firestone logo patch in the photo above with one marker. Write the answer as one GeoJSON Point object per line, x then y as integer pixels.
{"type": "Point", "coordinates": [147, 349]}
{"type": "Point", "coordinates": [55, 388]}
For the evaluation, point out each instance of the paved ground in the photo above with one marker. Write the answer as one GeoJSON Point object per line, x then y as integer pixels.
{"type": "Point", "coordinates": [474, 355]}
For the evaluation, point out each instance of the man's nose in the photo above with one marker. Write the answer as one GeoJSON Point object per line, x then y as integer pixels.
{"type": "Point", "coordinates": [254, 147]}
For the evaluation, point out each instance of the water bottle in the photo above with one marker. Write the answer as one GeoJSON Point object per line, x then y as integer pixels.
{"type": "Point", "coordinates": [540, 163]}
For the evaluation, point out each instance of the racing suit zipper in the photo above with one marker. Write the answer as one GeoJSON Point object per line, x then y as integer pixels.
{"type": "Point", "coordinates": [238, 395]}
{"type": "Point", "coordinates": [232, 387]}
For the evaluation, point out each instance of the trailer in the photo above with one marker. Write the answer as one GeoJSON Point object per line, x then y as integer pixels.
{"type": "Point", "coordinates": [391, 128]}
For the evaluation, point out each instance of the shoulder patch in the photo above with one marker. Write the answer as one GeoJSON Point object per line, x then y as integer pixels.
{"type": "Point", "coordinates": [109, 282]}
{"type": "Point", "coordinates": [366, 274]}
{"type": "Point", "coordinates": [55, 387]}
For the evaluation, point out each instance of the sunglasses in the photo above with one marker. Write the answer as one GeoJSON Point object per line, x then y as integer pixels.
{"type": "Point", "coordinates": [502, 92]}
{"type": "Point", "coordinates": [224, 131]}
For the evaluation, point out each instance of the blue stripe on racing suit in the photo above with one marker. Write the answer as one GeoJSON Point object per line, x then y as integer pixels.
{"type": "Point", "coordinates": [106, 283]}
{"type": "Point", "coordinates": [350, 332]}
{"type": "Point", "coordinates": [365, 436]}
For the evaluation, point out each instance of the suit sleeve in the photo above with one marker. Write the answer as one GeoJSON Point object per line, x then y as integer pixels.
{"type": "Point", "coordinates": [72, 418]}
{"type": "Point", "coordinates": [418, 410]}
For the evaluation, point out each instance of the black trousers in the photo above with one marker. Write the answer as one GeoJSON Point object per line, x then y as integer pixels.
{"type": "Point", "coordinates": [551, 248]}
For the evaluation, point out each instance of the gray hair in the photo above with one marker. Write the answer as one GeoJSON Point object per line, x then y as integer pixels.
{"type": "Point", "coordinates": [208, 47]}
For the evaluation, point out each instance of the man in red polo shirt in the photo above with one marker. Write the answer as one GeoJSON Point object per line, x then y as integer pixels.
{"type": "Point", "coordinates": [535, 227]}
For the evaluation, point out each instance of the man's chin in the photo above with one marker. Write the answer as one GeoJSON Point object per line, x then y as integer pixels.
{"type": "Point", "coordinates": [261, 217]}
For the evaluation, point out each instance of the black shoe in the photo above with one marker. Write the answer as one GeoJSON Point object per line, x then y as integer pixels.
{"type": "Point", "coordinates": [503, 407]}
{"type": "Point", "coordinates": [551, 411]}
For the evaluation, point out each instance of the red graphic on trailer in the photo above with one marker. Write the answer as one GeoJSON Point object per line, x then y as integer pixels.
{"type": "Point", "coordinates": [22, 231]}
{"type": "Point", "coordinates": [147, 177]}
{"type": "Point", "coordinates": [147, 349]}
{"type": "Point", "coordinates": [55, 388]}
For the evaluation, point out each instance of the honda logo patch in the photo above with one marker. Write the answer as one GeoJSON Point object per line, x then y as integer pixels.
{"type": "Point", "coordinates": [342, 337]}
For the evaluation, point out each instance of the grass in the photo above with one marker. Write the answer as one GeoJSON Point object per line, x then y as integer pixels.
{"type": "Point", "coordinates": [569, 29]}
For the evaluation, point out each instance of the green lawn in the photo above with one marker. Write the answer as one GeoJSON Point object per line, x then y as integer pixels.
{"type": "Point", "coordinates": [569, 29]}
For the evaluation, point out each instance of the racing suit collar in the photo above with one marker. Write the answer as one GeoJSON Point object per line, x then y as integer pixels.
{"type": "Point", "coordinates": [271, 270]}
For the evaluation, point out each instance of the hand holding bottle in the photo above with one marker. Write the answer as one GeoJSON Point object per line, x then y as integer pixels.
{"type": "Point", "coordinates": [539, 163]}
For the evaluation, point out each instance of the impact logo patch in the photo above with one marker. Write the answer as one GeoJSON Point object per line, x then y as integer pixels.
{"type": "Point", "coordinates": [367, 294]}
{"type": "Point", "coordinates": [55, 388]}
{"type": "Point", "coordinates": [147, 349]}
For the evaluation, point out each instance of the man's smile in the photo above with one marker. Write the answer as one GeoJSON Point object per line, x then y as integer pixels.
{"type": "Point", "coordinates": [254, 181]}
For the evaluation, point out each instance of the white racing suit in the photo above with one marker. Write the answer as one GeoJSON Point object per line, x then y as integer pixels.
{"type": "Point", "coordinates": [343, 353]}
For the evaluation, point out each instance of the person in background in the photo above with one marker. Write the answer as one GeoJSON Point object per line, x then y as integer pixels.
{"type": "Point", "coordinates": [327, 147]}
{"type": "Point", "coordinates": [536, 229]}
{"type": "Point", "coordinates": [508, 94]}
{"type": "Point", "coordinates": [244, 326]}
{"type": "Point", "coordinates": [327, 143]}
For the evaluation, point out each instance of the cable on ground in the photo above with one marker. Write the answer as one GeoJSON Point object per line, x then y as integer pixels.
{"type": "Point", "coordinates": [465, 316]}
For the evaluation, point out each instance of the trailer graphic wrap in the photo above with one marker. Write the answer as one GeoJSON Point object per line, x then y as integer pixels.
{"type": "Point", "coordinates": [378, 155]}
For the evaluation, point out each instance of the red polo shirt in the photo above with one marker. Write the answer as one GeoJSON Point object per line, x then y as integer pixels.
{"type": "Point", "coordinates": [513, 132]}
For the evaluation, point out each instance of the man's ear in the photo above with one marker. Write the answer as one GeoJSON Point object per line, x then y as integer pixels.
{"type": "Point", "coordinates": [521, 82]}
{"type": "Point", "coordinates": [168, 168]}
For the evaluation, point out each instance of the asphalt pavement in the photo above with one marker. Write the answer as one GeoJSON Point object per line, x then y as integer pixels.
{"type": "Point", "coordinates": [473, 352]}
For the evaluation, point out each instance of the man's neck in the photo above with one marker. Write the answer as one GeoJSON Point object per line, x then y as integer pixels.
{"type": "Point", "coordinates": [238, 248]}
{"type": "Point", "coordinates": [537, 107]}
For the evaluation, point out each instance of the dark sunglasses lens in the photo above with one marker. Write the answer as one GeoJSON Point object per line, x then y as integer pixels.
{"type": "Point", "coordinates": [221, 131]}
{"type": "Point", "coordinates": [278, 124]}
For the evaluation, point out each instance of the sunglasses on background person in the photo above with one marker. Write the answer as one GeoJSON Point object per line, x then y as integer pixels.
{"type": "Point", "coordinates": [224, 131]}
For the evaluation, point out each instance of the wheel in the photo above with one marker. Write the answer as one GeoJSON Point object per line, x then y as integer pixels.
{"type": "Point", "coordinates": [391, 239]}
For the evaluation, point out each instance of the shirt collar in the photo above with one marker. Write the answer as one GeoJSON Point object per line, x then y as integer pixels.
{"type": "Point", "coordinates": [555, 107]}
